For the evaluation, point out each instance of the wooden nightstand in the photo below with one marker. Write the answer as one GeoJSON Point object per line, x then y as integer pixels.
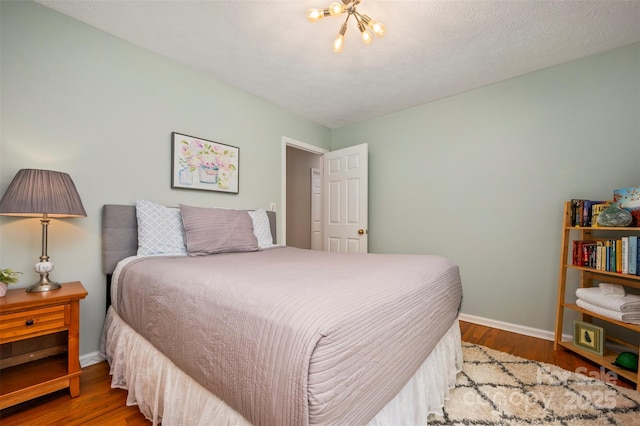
{"type": "Point", "coordinates": [39, 343]}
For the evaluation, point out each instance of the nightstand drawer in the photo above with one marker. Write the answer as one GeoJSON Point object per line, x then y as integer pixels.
{"type": "Point", "coordinates": [21, 325]}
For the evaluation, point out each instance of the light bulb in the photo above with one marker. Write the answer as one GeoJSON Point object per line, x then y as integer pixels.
{"type": "Point", "coordinates": [338, 43]}
{"type": "Point", "coordinates": [377, 28]}
{"type": "Point", "coordinates": [335, 8]}
{"type": "Point", "coordinates": [314, 15]}
{"type": "Point", "coordinates": [366, 35]}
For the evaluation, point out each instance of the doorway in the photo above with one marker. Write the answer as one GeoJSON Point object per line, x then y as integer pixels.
{"type": "Point", "coordinates": [325, 197]}
{"type": "Point", "coordinates": [299, 161]}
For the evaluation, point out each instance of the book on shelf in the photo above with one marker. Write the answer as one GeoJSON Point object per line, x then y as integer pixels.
{"type": "Point", "coordinates": [590, 255]}
{"type": "Point", "coordinates": [576, 253]}
{"type": "Point", "coordinates": [596, 209]}
{"type": "Point", "coordinates": [576, 206]}
{"type": "Point", "coordinates": [638, 257]}
{"type": "Point", "coordinates": [582, 212]}
{"type": "Point", "coordinates": [612, 257]}
{"type": "Point", "coordinates": [584, 253]}
{"type": "Point", "coordinates": [624, 255]}
{"type": "Point", "coordinates": [587, 212]}
{"type": "Point", "coordinates": [629, 199]}
{"type": "Point", "coordinates": [633, 255]}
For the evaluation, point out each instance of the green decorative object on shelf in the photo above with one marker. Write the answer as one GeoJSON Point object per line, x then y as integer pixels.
{"type": "Point", "coordinates": [614, 216]}
{"type": "Point", "coordinates": [628, 361]}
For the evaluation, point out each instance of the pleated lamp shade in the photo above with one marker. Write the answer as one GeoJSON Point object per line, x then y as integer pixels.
{"type": "Point", "coordinates": [34, 193]}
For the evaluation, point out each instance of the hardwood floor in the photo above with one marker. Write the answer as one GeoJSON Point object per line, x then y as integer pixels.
{"type": "Point", "coordinates": [98, 404]}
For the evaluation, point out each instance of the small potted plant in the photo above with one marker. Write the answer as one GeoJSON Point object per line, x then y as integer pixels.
{"type": "Point", "coordinates": [7, 276]}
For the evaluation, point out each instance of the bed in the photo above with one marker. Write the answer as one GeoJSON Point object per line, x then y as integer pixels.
{"type": "Point", "coordinates": [272, 335]}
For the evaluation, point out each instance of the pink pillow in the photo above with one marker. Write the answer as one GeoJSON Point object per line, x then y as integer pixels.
{"type": "Point", "coordinates": [211, 230]}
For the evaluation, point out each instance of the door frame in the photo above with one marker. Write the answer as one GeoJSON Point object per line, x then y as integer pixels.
{"type": "Point", "coordinates": [286, 141]}
{"type": "Point", "coordinates": [317, 205]}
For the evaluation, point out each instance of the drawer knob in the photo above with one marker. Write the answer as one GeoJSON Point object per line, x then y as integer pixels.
{"type": "Point", "coordinates": [28, 322]}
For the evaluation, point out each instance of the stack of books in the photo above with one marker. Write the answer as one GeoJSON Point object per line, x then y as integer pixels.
{"type": "Point", "coordinates": [620, 255]}
{"type": "Point", "coordinates": [584, 213]}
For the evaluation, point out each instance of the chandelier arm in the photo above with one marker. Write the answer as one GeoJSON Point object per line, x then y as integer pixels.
{"type": "Point", "coordinates": [345, 23]}
{"type": "Point", "coordinates": [359, 18]}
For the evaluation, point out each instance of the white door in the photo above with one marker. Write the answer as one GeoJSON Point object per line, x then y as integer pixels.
{"type": "Point", "coordinates": [316, 209]}
{"type": "Point", "coordinates": [345, 184]}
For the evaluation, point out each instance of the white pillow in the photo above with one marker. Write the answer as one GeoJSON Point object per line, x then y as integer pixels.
{"type": "Point", "coordinates": [262, 228]}
{"type": "Point", "coordinates": [160, 230]}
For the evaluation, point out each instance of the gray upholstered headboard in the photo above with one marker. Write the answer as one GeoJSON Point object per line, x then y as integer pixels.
{"type": "Point", "coordinates": [120, 234]}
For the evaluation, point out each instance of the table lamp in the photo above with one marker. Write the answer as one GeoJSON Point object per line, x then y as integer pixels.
{"type": "Point", "coordinates": [45, 194]}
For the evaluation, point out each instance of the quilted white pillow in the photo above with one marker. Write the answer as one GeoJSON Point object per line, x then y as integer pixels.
{"type": "Point", "coordinates": [261, 228]}
{"type": "Point", "coordinates": [160, 229]}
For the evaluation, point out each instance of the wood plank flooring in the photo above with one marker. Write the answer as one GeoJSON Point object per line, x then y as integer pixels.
{"type": "Point", "coordinates": [98, 404]}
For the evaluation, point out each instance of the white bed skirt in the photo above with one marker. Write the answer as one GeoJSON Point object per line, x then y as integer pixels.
{"type": "Point", "coordinates": [164, 394]}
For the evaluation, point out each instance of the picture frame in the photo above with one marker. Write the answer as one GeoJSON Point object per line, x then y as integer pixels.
{"type": "Point", "coordinates": [203, 164]}
{"type": "Point", "coordinates": [588, 337]}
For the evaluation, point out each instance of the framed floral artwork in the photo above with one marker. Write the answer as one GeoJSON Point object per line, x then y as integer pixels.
{"type": "Point", "coordinates": [202, 164]}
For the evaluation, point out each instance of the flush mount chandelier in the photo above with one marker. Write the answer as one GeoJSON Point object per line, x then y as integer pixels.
{"type": "Point", "coordinates": [364, 22]}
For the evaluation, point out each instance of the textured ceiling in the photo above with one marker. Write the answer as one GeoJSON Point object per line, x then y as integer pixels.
{"type": "Point", "coordinates": [432, 49]}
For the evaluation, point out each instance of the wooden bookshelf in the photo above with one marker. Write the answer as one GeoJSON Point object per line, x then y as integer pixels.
{"type": "Point", "coordinates": [589, 277]}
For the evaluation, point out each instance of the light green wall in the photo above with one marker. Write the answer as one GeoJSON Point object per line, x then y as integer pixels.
{"type": "Point", "coordinates": [481, 177]}
{"type": "Point", "coordinates": [78, 100]}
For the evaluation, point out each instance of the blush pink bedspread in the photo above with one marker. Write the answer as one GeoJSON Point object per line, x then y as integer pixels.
{"type": "Point", "coordinates": [294, 337]}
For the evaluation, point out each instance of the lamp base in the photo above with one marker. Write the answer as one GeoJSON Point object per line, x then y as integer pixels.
{"type": "Point", "coordinates": [37, 287]}
{"type": "Point", "coordinates": [43, 285]}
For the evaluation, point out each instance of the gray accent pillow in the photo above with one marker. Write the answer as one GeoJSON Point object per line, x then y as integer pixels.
{"type": "Point", "coordinates": [211, 230]}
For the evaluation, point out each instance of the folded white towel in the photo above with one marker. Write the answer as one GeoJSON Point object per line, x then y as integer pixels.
{"type": "Point", "coordinates": [631, 318]}
{"type": "Point", "coordinates": [608, 288]}
{"type": "Point", "coordinates": [594, 295]}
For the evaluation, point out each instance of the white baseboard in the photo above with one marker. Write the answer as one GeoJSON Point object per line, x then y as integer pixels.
{"type": "Point", "coordinates": [514, 328]}
{"type": "Point", "coordinates": [90, 359]}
